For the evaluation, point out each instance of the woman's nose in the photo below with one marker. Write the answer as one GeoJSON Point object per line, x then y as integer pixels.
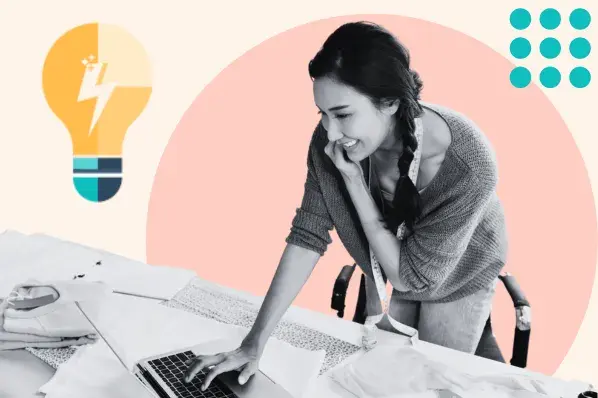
{"type": "Point", "coordinates": [333, 133]}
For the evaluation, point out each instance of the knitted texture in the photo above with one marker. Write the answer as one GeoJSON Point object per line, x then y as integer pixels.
{"type": "Point", "coordinates": [458, 245]}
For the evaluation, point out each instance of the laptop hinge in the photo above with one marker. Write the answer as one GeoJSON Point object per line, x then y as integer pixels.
{"type": "Point", "coordinates": [152, 382]}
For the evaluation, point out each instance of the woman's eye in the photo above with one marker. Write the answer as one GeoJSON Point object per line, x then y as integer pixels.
{"type": "Point", "coordinates": [344, 116]}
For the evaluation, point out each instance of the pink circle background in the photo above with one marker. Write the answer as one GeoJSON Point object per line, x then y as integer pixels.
{"type": "Point", "coordinates": [232, 176]}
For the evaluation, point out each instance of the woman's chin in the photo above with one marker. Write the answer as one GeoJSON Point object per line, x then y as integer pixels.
{"type": "Point", "coordinates": [356, 156]}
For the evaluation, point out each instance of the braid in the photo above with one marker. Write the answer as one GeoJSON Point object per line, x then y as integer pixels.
{"type": "Point", "coordinates": [407, 201]}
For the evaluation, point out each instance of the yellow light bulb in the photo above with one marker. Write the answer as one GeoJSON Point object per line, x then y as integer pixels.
{"type": "Point", "coordinates": [97, 81]}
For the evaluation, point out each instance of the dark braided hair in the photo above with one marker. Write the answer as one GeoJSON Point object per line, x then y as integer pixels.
{"type": "Point", "coordinates": [368, 58]}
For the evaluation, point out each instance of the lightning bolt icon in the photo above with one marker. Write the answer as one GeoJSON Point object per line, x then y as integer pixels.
{"type": "Point", "coordinates": [91, 89]}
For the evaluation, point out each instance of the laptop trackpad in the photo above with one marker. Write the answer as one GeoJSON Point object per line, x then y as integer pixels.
{"type": "Point", "coordinates": [258, 385]}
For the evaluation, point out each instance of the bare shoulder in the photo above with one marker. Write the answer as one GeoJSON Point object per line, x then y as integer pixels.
{"type": "Point", "coordinates": [436, 135]}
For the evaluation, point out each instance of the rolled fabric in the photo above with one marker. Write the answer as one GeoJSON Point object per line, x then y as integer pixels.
{"type": "Point", "coordinates": [45, 315]}
{"type": "Point", "coordinates": [388, 371]}
{"type": "Point", "coordinates": [62, 343]}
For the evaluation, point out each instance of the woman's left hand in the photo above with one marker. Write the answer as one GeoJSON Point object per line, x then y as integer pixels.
{"type": "Point", "coordinates": [349, 170]}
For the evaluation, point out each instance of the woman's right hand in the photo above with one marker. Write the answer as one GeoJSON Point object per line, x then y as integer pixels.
{"type": "Point", "coordinates": [245, 359]}
{"type": "Point", "coordinates": [296, 264]}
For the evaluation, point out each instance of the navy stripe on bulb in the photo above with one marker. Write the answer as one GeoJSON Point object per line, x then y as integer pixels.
{"type": "Point", "coordinates": [101, 165]}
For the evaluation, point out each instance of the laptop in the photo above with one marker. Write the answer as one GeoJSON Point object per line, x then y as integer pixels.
{"type": "Point", "coordinates": [161, 375]}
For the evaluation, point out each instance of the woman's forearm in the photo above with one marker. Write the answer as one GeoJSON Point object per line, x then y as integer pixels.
{"type": "Point", "coordinates": [385, 245]}
{"type": "Point", "coordinates": [295, 267]}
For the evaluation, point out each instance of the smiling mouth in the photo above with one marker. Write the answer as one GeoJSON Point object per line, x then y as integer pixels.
{"type": "Point", "coordinates": [350, 144]}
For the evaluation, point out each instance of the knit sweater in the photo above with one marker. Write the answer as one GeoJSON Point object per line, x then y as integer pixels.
{"type": "Point", "coordinates": [457, 246]}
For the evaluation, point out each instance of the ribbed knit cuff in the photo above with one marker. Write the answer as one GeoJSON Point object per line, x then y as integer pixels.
{"type": "Point", "coordinates": [310, 231]}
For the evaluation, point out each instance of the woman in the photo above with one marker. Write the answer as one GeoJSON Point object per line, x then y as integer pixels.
{"type": "Point", "coordinates": [411, 191]}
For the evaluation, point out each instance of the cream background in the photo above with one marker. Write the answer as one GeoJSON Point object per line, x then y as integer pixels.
{"type": "Point", "coordinates": [189, 42]}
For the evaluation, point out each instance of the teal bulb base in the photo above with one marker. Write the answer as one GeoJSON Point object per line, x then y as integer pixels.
{"type": "Point", "coordinates": [97, 179]}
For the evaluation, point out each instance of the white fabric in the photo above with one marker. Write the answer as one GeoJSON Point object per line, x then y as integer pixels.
{"type": "Point", "coordinates": [53, 324]}
{"type": "Point", "coordinates": [13, 246]}
{"type": "Point", "coordinates": [404, 372]}
{"type": "Point", "coordinates": [152, 281]}
{"type": "Point", "coordinates": [62, 317]}
{"type": "Point", "coordinates": [93, 373]}
{"type": "Point", "coordinates": [45, 258]}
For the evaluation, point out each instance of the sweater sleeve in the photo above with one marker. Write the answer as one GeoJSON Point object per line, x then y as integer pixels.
{"type": "Point", "coordinates": [438, 241]}
{"type": "Point", "coordinates": [312, 224]}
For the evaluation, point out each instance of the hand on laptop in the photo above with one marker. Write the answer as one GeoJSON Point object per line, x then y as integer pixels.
{"type": "Point", "coordinates": [244, 359]}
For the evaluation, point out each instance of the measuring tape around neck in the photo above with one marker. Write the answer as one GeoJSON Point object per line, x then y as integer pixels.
{"type": "Point", "coordinates": [369, 339]}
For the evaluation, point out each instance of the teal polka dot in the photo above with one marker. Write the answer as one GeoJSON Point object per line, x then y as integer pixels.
{"type": "Point", "coordinates": [580, 48]}
{"type": "Point", "coordinates": [580, 77]}
{"type": "Point", "coordinates": [550, 48]}
{"type": "Point", "coordinates": [520, 18]}
{"type": "Point", "coordinates": [580, 18]}
{"type": "Point", "coordinates": [520, 48]}
{"type": "Point", "coordinates": [550, 77]}
{"type": "Point", "coordinates": [520, 77]}
{"type": "Point", "coordinates": [550, 18]}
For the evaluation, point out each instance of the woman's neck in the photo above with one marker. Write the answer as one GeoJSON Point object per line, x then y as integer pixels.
{"type": "Point", "coordinates": [392, 145]}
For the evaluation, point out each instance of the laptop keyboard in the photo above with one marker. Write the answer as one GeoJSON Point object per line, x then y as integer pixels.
{"type": "Point", "coordinates": [172, 370]}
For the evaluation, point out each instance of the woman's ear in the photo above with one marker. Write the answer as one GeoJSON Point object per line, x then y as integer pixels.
{"type": "Point", "coordinates": [390, 107]}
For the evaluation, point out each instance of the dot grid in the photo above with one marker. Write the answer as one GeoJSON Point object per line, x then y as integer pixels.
{"type": "Point", "coordinates": [550, 21]}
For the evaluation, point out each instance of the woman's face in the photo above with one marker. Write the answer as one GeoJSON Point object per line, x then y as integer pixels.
{"type": "Point", "coordinates": [351, 119]}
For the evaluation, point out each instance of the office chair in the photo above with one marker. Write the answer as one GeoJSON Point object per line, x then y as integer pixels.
{"type": "Point", "coordinates": [487, 347]}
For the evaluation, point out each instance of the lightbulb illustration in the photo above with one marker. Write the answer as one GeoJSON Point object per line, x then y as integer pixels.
{"type": "Point", "coordinates": [97, 81]}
